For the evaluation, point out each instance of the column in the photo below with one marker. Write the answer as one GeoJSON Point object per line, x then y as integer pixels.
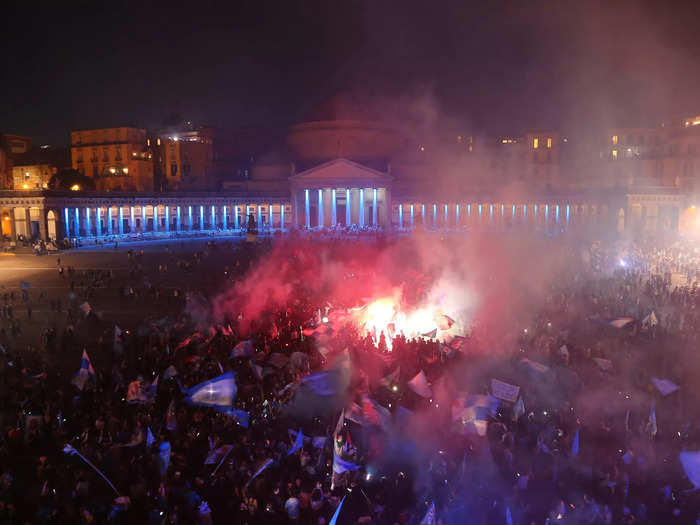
{"type": "Point", "coordinates": [388, 210]}
{"type": "Point", "coordinates": [334, 213]}
{"type": "Point", "coordinates": [361, 208]}
{"type": "Point", "coordinates": [348, 209]}
{"type": "Point", "coordinates": [155, 218]}
{"type": "Point", "coordinates": [143, 219]}
{"type": "Point", "coordinates": [28, 222]}
{"type": "Point", "coordinates": [213, 218]}
{"type": "Point", "coordinates": [167, 218]}
{"type": "Point", "coordinates": [556, 214]}
{"type": "Point", "coordinates": [76, 223]}
{"type": "Point", "coordinates": [178, 223]}
{"type": "Point", "coordinates": [374, 206]}
{"type": "Point", "coordinates": [295, 208]}
{"type": "Point", "coordinates": [434, 215]}
{"type": "Point", "coordinates": [307, 216]}
{"type": "Point", "coordinates": [201, 217]}
{"type": "Point", "coordinates": [422, 213]}
{"type": "Point", "coordinates": [109, 220]}
{"type": "Point", "coordinates": [235, 217]}
{"type": "Point", "coordinates": [43, 226]}
{"type": "Point", "coordinates": [447, 215]}
{"type": "Point", "coordinates": [132, 221]}
{"type": "Point", "coordinates": [412, 217]}
{"type": "Point", "coordinates": [282, 216]}
{"type": "Point", "coordinates": [320, 208]}
{"type": "Point", "coordinates": [400, 216]}
{"type": "Point", "coordinates": [457, 214]}
{"type": "Point", "coordinates": [98, 221]}
{"type": "Point", "coordinates": [121, 220]}
{"type": "Point", "coordinates": [568, 212]}
{"type": "Point", "coordinates": [259, 208]}
{"type": "Point", "coordinates": [189, 218]}
{"type": "Point", "coordinates": [270, 218]}
{"type": "Point", "coordinates": [224, 221]}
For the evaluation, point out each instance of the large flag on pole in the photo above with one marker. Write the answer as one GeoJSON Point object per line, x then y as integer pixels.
{"type": "Point", "coordinates": [664, 386]}
{"type": "Point", "coordinates": [691, 466]}
{"type": "Point", "coordinates": [217, 393]}
{"type": "Point", "coordinates": [334, 519]}
{"type": "Point", "coordinates": [298, 443]}
{"type": "Point", "coordinates": [430, 518]}
{"type": "Point", "coordinates": [84, 373]}
{"type": "Point", "coordinates": [575, 445]}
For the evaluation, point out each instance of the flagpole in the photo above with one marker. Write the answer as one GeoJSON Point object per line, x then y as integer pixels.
{"type": "Point", "coordinates": [72, 450]}
{"type": "Point", "coordinates": [222, 460]}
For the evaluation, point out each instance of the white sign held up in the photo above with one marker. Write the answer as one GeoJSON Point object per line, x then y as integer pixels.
{"type": "Point", "coordinates": [505, 391]}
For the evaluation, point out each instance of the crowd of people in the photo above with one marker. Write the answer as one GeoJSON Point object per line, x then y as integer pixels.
{"type": "Point", "coordinates": [587, 438]}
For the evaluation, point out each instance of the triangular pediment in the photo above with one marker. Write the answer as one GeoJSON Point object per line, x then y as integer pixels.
{"type": "Point", "coordinates": [341, 170]}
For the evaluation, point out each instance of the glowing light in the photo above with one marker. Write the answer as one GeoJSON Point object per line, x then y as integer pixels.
{"type": "Point", "coordinates": [623, 263]}
{"type": "Point", "coordinates": [75, 187]}
{"type": "Point", "coordinates": [25, 186]}
{"type": "Point", "coordinates": [112, 170]}
{"type": "Point", "coordinates": [394, 388]}
{"type": "Point", "coordinates": [325, 319]}
{"type": "Point", "coordinates": [125, 170]}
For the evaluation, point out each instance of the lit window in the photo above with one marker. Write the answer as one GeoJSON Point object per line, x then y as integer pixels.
{"type": "Point", "coordinates": [614, 139]}
{"type": "Point", "coordinates": [614, 153]}
{"type": "Point", "coordinates": [26, 175]}
{"type": "Point", "coordinates": [158, 141]}
{"type": "Point", "coordinates": [549, 142]}
{"type": "Point", "coordinates": [535, 143]}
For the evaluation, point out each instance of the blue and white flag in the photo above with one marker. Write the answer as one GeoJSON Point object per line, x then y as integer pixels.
{"type": "Point", "coordinates": [259, 471]}
{"type": "Point", "coordinates": [664, 386]}
{"type": "Point", "coordinates": [84, 373]}
{"type": "Point", "coordinates": [473, 412]}
{"type": "Point", "coordinates": [691, 466]}
{"type": "Point", "coordinates": [575, 444]}
{"type": "Point", "coordinates": [241, 416]}
{"type": "Point", "coordinates": [340, 465]}
{"type": "Point", "coordinates": [298, 443]}
{"type": "Point", "coordinates": [430, 517]}
{"type": "Point", "coordinates": [25, 285]}
{"type": "Point", "coordinates": [149, 438]}
{"type": "Point", "coordinates": [651, 425]}
{"type": "Point", "coordinates": [334, 519]}
{"type": "Point", "coordinates": [217, 393]}
{"type": "Point", "coordinates": [243, 349]}
{"type": "Point", "coordinates": [322, 383]}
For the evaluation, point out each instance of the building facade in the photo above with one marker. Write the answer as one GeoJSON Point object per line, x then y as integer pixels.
{"type": "Point", "coordinates": [118, 159]}
{"type": "Point", "coordinates": [184, 158]}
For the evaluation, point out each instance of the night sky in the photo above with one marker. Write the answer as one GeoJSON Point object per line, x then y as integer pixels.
{"type": "Point", "coordinates": [496, 67]}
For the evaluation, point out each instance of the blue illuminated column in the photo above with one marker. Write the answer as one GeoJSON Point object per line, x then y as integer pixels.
{"type": "Point", "coordinates": [535, 217]}
{"type": "Point", "coordinates": [98, 220]}
{"type": "Point", "coordinates": [469, 211]}
{"type": "Point", "coordinates": [282, 216]}
{"type": "Point", "coordinates": [65, 220]}
{"type": "Point", "coordinates": [270, 217]}
{"type": "Point", "coordinates": [167, 218]}
{"type": "Point", "coordinates": [568, 211]}
{"type": "Point", "coordinates": [348, 211]}
{"type": "Point", "coordinates": [259, 216]}
{"type": "Point", "coordinates": [77, 223]}
{"type": "Point", "coordinates": [479, 213]}
{"type": "Point", "coordinates": [546, 214]}
{"type": "Point", "coordinates": [374, 206]}
{"type": "Point", "coordinates": [307, 212]}
{"type": "Point", "coordinates": [334, 211]}
{"type": "Point", "coordinates": [121, 220]}
{"type": "Point", "coordinates": [491, 213]}
{"type": "Point", "coordinates": [143, 219]}
{"type": "Point", "coordinates": [189, 218]}
{"type": "Point", "coordinates": [434, 215]}
{"type": "Point", "coordinates": [457, 215]}
{"type": "Point", "coordinates": [361, 219]}
{"type": "Point", "coordinates": [411, 216]}
{"type": "Point", "coordinates": [400, 215]}
{"type": "Point", "coordinates": [503, 212]}
{"type": "Point", "coordinates": [177, 219]}
{"type": "Point", "coordinates": [422, 213]}
{"type": "Point", "coordinates": [512, 215]}
{"type": "Point", "coordinates": [88, 229]}
{"type": "Point", "coordinates": [525, 213]}
{"type": "Point", "coordinates": [155, 218]}
{"type": "Point", "coordinates": [201, 217]}
{"type": "Point", "coordinates": [109, 220]}
{"type": "Point", "coordinates": [235, 217]}
{"type": "Point", "coordinates": [213, 218]}
{"type": "Point", "coordinates": [447, 216]}
{"type": "Point", "coordinates": [556, 214]}
{"type": "Point", "coordinates": [320, 208]}
{"type": "Point", "coordinates": [224, 220]}
{"type": "Point", "coordinates": [132, 224]}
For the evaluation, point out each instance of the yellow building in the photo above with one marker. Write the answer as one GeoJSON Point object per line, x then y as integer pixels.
{"type": "Point", "coordinates": [185, 158]}
{"type": "Point", "coordinates": [32, 177]}
{"type": "Point", "coordinates": [118, 159]}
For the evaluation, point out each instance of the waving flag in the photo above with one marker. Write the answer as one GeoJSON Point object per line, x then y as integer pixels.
{"type": "Point", "coordinates": [240, 416]}
{"type": "Point", "coordinates": [474, 411]}
{"type": "Point", "coordinates": [149, 438]}
{"type": "Point", "coordinates": [691, 466]}
{"type": "Point", "coordinates": [243, 349]}
{"type": "Point", "coordinates": [664, 386]}
{"type": "Point", "coordinates": [298, 443]}
{"type": "Point", "coordinates": [322, 383]}
{"type": "Point", "coordinates": [84, 373]}
{"type": "Point", "coordinates": [334, 519]}
{"type": "Point", "coordinates": [430, 335]}
{"type": "Point", "coordinates": [419, 384]}
{"type": "Point", "coordinates": [259, 471]}
{"type": "Point", "coordinates": [217, 393]}
{"type": "Point", "coordinates": [575, 445]}
{"type": "Point", "coordinates": [430, 518]}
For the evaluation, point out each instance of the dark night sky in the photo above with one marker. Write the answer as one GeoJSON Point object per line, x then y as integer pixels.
{"type": "Point", "coordinates": [489, 65]}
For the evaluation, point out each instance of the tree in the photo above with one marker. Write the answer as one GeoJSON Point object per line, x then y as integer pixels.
{"type": "Point", "coordinates": [70, 179]}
